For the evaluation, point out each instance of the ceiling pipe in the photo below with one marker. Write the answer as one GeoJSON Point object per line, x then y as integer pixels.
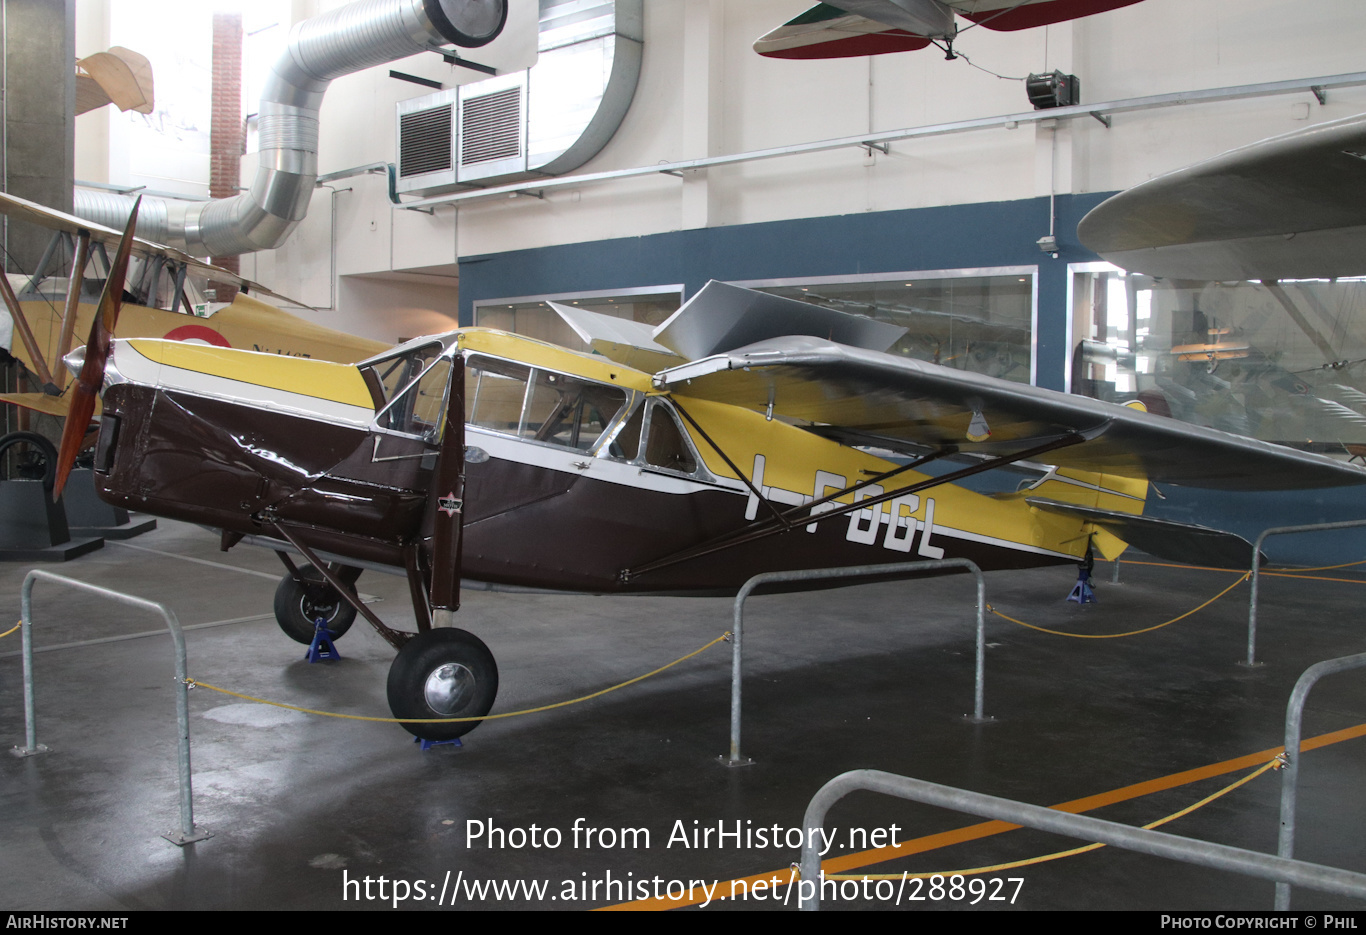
{"type": "Point", "coordinates": [346, 40]}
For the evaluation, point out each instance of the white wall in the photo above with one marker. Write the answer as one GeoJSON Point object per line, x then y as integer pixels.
{"type": "Point", "coordinates": [1152, 47]}
{"type": "Point", "coordinates": [703, 91]}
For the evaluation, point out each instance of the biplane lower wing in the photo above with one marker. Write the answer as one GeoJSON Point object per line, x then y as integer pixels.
{"type": "Point", "coordinates": [40, 402]}
{"type": "Point", "coordinates": [912, 405]}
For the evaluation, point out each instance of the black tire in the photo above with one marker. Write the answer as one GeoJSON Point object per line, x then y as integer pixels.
{"type": "Point", "coordinates": [443, 673]}
{"type": "Point", "coordinates": [297, 606]}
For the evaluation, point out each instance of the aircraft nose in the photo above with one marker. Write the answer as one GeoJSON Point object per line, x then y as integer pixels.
{"type": "Point", "coordinates": [75, 360]}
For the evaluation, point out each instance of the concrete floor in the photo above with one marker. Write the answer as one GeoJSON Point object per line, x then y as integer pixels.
{"type": "Point", "coordinates": [303, 809]}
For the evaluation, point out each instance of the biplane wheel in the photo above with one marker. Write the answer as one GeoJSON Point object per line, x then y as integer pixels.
{"type": "Point", "coordinates": [443, 673]}
{"type": "Point", "coordinates": [297, 607]}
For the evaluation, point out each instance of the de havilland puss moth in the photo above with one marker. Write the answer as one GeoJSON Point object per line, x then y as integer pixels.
{"type": "Point", "coordinates": [748, 433]}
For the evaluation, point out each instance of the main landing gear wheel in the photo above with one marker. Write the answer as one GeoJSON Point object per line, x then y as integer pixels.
{"type": "Point", "coordinates": [297, 607]}
{"type": "Point", "coordinates": [443, 673]}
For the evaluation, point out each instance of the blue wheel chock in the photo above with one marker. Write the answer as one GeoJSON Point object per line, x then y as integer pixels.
{"type": "Point", "coordinates": [321, 647]}
{"type": "Point", "coordinates": [428, 744]}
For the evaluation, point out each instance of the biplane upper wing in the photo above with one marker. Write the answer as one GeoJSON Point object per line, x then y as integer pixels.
{"type": "Point", "coordinates": [870, 27]}
{"type": "Point", "coordinates": [33, 213]}
{"type": "Point", "coordinates": [864, 397]}
{"type": "Point", "coordinates": [1288, 207]}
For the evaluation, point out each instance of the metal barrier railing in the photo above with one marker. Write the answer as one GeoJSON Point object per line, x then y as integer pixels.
{"type": "Point", "coordinates": [1157, 843]}
{"type": "Point", "coordinates": [188, 833]}
{"type": "Point", "coordinates": [1256, 569]}
{"type": "Point", "coordinates": [1290, 774]}
{"type": "Point", "coordinates": [857, 571]}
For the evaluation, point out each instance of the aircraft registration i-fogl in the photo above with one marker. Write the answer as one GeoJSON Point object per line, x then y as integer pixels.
{"type": "Point", "coordinates": [761, 434]}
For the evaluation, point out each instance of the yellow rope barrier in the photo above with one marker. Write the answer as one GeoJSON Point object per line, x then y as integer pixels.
{"type": "Point", "coordinates": [11, 629]}
{"type": "Point", "coordinates": [1332, 567]}
{"type": "Point", "coordinates": [194, 683]}
{"type": "Point", "coordinates": [1111, 636]}
{"type": "Point", "coordinates": [1265, 572]}
{"type": "Point", "coordinates": [1060, 854]}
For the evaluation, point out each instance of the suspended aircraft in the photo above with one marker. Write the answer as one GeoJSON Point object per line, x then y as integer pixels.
{"type": "Point", "coordinates": [850, 28]}
{"type": "Point", "coordinates": [747, 433]}
{"type": "Point", "coordinates": [1282, 216]}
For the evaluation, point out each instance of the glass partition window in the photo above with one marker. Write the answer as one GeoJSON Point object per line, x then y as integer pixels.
{"type": "Point", "coordinates": [539, 405]}
{"type": "Point", "coordinates": [1283, 362]}
{"type": "Point", "coordinates": [978, 320]}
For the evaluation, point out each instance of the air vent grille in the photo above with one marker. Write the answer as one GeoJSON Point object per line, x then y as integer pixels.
{"type": "Point", "coordinates": [491, 127]}
{"type": "Point", "coordinates": [425, 141]}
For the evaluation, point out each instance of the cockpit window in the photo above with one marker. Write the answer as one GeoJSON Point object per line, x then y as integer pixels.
{"type": "Point", "coordinates": [420, 409]}
{"type": "Point", "coordinates": [387, 376]}
{"type": "Point", "coordinates": [540, 405]}
{"type": "Point", "coordinates": [665, 444]}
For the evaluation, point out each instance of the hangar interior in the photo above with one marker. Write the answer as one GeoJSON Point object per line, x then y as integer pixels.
{"type": "Point", "coordinates": [648, 151]}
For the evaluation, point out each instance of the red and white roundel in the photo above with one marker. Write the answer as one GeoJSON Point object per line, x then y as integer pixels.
{"type": "Point", "coordinates": [197, 334]}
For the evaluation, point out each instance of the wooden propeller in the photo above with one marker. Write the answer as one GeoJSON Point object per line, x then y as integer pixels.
{"type": "Point", "coordinates": [91, 378]}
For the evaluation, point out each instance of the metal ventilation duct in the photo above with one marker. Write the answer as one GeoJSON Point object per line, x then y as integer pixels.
{"type": "Point", "coordinates": [546, 120]}
{"type": "Point", "coordinates": [345, 40]}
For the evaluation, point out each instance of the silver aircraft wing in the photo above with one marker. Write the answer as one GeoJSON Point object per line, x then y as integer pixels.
{"type": "Point", "coordinates": [864, 397]}
{"type": "Point", "coordinates": [1289, 207]}
{"type": "Point", "coordinates": [621, 339]}
{"type": "Point", "coordinates": [721, 317]}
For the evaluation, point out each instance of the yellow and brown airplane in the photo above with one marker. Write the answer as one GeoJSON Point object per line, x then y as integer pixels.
{"type": "Point", "coordinates": [769, 434]}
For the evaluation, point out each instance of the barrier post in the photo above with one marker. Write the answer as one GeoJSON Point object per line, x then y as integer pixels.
{"type": "Point", "coordinates": [735, 758]}
{"type": "Point", "coordinates": [187, 833]}
{"type": "Point", "coordinates": [1290, 773]}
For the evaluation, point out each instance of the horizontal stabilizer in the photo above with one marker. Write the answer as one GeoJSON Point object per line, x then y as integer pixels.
{"type": "Point", "coordinates": [1179, 542]}
{"type": "Point", "coordinates": [621, 339]}
{"type": "Point", "coordinates": [722, 317]}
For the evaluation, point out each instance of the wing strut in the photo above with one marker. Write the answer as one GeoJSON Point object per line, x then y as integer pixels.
{"type": "Point", "coordinates": [763, 531]}
{"type": "Point", "coordinates": [26, 335]}
{"type": "Point", "coordinates": [731, 464]}
{"type": "Point", "coordinates": [395, 638]}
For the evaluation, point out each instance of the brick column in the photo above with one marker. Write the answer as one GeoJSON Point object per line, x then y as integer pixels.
{"type": "Point", "coordinates": [227, 139]}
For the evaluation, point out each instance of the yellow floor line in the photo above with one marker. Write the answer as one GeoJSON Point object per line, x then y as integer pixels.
{"type": "Point", "coordinates": [985, 829]}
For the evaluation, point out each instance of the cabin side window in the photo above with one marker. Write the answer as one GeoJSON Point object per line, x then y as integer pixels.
{"type": "Point", "coordinates": [654, 437]}
{"type": "Point", "coordinates": [539, 405]}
